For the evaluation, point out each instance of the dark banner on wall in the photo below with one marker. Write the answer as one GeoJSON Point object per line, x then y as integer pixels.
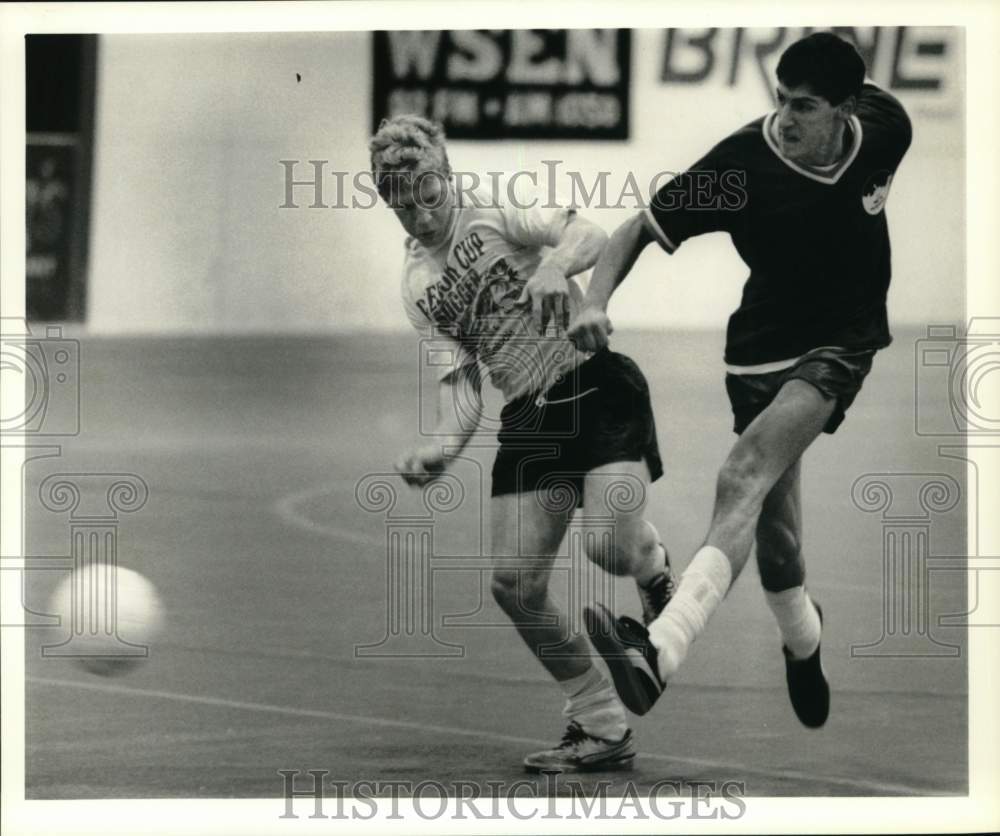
{"type": "Point", "coordinates": [507, 84]}
{"type": "Point", "coordinates": [60, 73]}
{"type": "Point", "coordinates": [51, 173]}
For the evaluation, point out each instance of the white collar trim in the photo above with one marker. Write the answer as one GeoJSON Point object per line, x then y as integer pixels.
{"type": "Point", "coordinates": [830, 178]}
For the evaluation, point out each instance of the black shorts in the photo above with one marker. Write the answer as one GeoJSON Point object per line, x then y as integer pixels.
{"type": "Point", "coordinates": [837, 372]}
{"type": "Point", "coordinates": [598, 414]}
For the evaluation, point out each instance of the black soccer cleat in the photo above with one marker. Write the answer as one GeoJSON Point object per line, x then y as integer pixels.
{"type": "Point", "coordinates": [657, 594]}
{"type": "Point", "coordinates": [631, 657]}
{"type": "Point", "coordinates": [807, 686]}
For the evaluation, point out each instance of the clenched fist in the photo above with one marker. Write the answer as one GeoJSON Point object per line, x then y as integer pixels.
{"type": "Point", "coordinates": [590, 330]}
{"type": "Point", "coordinates": [421, 465]}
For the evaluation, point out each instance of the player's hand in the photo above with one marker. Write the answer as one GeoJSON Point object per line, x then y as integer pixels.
{"type": "Point", "coordinates": [421, 465]}
{"type": "Point", "coordinates": [590, 330]}
{"type": "Point", "coordinates": [548, 291]}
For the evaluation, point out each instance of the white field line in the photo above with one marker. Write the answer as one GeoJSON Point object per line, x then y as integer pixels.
{"type": "Point", "coordinates": [867, 787]}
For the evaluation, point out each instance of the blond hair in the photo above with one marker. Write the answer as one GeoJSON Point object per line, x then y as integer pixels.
{"type": "Point", "coordinates": [402, 144]}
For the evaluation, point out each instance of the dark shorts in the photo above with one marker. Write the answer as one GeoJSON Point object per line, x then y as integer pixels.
{"type": "Point", "coordinates": [837, 372]}
{"type": "Point", "coordinates": [599, 414]}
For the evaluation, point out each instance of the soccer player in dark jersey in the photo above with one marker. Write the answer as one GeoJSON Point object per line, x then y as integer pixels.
{"type": "Point", "coordinates": [801, 193]}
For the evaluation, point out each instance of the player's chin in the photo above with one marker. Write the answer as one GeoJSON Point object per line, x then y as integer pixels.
{"type": "Point", "coordinates": [792, 148]}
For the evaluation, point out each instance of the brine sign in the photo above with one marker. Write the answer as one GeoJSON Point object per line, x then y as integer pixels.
{"type": "Point", "coordinates": [507, 84]}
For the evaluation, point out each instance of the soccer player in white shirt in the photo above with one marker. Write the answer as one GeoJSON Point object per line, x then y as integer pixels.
{"type": "Point", "coordinates": [488, 272]}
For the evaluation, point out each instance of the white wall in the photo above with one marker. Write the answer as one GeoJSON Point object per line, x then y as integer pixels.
{"type": "Point", "coordinates": [187, 233]}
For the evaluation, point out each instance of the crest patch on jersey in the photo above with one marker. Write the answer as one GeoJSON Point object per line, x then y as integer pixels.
{"type": "Point", "coordinates": [876, 191]}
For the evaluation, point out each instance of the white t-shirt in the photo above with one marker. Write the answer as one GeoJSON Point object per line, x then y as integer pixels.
{"type": "Point", "coordinates": [464, 292]}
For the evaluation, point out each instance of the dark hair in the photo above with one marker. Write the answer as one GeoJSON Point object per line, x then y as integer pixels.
{"type": "Point", "coordinates": [827, 63]}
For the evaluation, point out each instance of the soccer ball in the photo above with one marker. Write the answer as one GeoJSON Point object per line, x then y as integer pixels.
{"type": "Point", "coordinates": [114, 617]}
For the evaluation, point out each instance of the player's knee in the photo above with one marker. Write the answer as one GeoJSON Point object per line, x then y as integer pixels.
{"type": "Point", "coordinates": [514, 590]}
{"type": "Point", "coordinates": [504, 589]}
{"type": "Point", "coordinates": [612, 549]}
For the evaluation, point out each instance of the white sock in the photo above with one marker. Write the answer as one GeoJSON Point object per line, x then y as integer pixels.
{"type": "Point", "coordinates": [593, 703]}
{"type": "Point", "coordinates": [656, 560]}
{"type": "Point", "coordinates": [703, 586]}
{"type": "Point", "coordinates": [797, 619]}
{"type": "Point", "coordinates": [587, 681]}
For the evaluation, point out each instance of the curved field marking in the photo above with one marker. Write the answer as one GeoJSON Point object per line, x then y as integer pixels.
{"type": "Point", "coordinates": [384, 722]}
{"type": "Point", "coordinates": [285, 508]}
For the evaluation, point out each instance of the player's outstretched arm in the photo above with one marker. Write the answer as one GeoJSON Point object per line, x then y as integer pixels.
{"type": "Point", "coordinates": [459, 409]}
{"type": "Point", "coordinates": [579, 246]}
{"type": "Point", "coordinates": [591, 328]}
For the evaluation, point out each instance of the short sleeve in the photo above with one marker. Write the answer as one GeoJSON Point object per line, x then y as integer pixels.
{"type": "Point", "coordinates": [884, 122]}
{"type": "Point", "coordinates": [700, 200]}
{"type": "Point", "coordinates": [533, 215]}
{"type": "Point", "coordinates": [442, 352]}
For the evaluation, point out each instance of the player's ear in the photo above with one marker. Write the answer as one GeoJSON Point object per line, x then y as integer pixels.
{"type": "Point", "coordinates": [847, 107]}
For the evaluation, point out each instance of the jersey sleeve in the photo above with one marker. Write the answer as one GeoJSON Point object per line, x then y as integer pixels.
{"type": "Point", "coordinates": [532, 215]}
{"type": "Point", "coordinates": [702, 199]}
{"type": "Point", "coordinates": [884, 121]}
{"type": "Point", "coordinates": [443, 353]}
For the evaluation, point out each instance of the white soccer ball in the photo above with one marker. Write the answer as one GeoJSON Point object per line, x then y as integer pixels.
{"type": "Point", "coordinates": [114, 616]}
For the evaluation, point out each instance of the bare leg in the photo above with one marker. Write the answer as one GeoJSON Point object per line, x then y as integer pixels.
{"type": "Point", "coordinates": [525, 538]}
{"type": "Point", "coordinates": [771, 445]}
{"type": "Point", "coordinates": [779, 534]}
{"type": "Point", "coordinates": [782, 569]}
{"type": "Point", "coordinates": [616, 535]}
{"type": "Point", "coordinates": [524, 529]}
